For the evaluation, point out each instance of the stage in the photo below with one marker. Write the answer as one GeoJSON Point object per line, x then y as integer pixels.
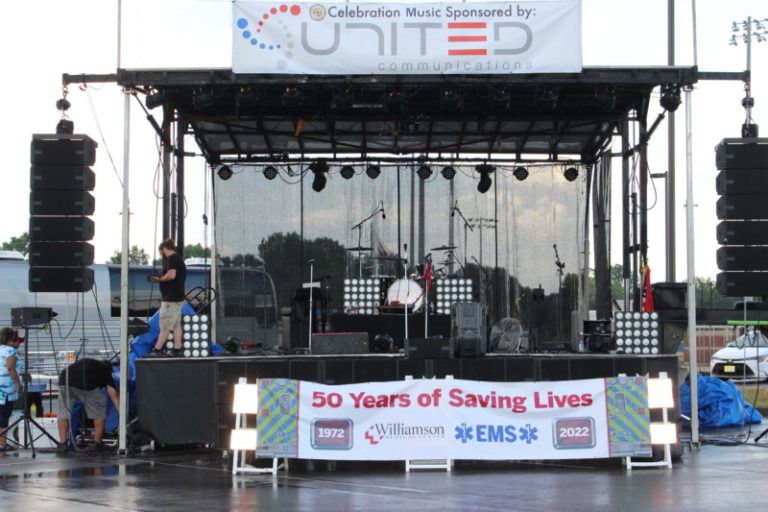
{"type": "Point", "coordinates": [189, 401]}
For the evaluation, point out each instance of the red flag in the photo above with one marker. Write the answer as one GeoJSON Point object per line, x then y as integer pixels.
{"type": "Point", "coordinates": [428, 275]}
{"type": "Point", "coordinates": [647, 291]}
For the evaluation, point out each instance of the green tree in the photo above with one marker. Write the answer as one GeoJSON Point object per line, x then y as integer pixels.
{"type": "Point", "coordinates": [18, 243]}
{"type": "Point", "coordinates": [196, 251]}
{"type": "Point", "coordinates": [136, 256]}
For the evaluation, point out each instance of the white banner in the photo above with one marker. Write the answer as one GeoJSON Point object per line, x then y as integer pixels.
{"type": "Point", "coordinates": [402, 38]}
{"type": "Point", "coordinates": [454, 419]}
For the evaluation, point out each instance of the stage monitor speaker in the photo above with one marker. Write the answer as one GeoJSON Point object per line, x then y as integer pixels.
{"type": "Point", "coordinates": [669, 295]}
{"type": "Point", "coordinates": [61, 177]}
{"type": "Point", "coordinates": [57, 202]}
{"type": "Point", "coordinates": [468, 322]}
{"type": "Point", "coordinates": [63, 149]}
{"type": "Point", "coordinates": [742, 181]}
{"type": "Point", "coordinates": [60, 254]}
{"type": "Point", "coordinates": [742, 206]}
{"type": "Point", "coordinates": [742, 154]}
{"type": "Point", "coordinates": [745, 232]}
{"type": "Point", "coordinates": [24, 317]}
{"type": "Point", "coordinates": [429, 348]}
{"type": "Point", "coordinates": [469, 347]}
{"type": "Point", "coordinates": [60, 229]}
{"type": "Point", "coordinates": [340, 343]}
{"type": "Point", "coordinates": [742, 284]}
{"type": "Point", "coordinates": [57, 279]}
{"type": "Point", "coordinates": [742, 258]}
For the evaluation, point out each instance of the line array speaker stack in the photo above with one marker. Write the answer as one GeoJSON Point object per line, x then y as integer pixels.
{"type": "Point", "coordinates": [60, 203]}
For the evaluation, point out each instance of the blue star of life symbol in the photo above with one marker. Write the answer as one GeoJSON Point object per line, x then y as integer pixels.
{"type": "Point", "coordinates": [529, 433]}
{"type": "Point", "coordinates": [464, 433]}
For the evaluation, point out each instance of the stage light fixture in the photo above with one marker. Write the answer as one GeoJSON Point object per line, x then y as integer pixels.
{"type": "Point", "coordinates": [520, 173]}
{"type": "Point", "coordinates": [605, 98]}
{"type": "Point", "coordinates": [485, 182]}
{"type": "Point", "coordinates": [270, 172]}
{"type": "Point", "coordinates": [65, 126]}
{"type": "Point", "coordinates": [500, 98]}
{"type": "Point", "coordinates": [320, 169]}
{"type": "Point", "coordinates": [347, 172]}
{"type": "Point", "coordinates": [451, 99]}
{"type": "Point", "coordinates": [204, 99]}
{"type": "Point", "coordinates": [373, 171]}
{"type": "Point", "coordinates": [571, 173]}
{"type": "Point", "coordinates": [225, 172]}
{"type": "Point", "coordinates": [247, 99]}
{"type": "Point", "coordinates": [547, 99]}
{"type": "Point", "coordinates": [244, 439]}
{"type": "Point", "coordinates": [424, 172]}
{"type": "Point", "coordinates": [63, 104]}
{"type": "Point", "coordinates": [448, 172]}
{"type": "Point", "coordinates": [342, 100]}
{"type": "Point", "coordinates": [292, 97]}
{"type": "Point", "coordinates": [154, 100]}
{"type": "Point", "coordinates": [670, 97]}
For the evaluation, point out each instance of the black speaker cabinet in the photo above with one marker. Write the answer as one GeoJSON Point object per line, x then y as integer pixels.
{"type": "Point", "coordinates": [58, 149]}
{"type": "Point", "coordinates": [746, 232]}
{"type": "Point", "coordinates": [429, 348]}
{"type": "Point", "coordinates": [60, 229]}
{"type": "Point", "coordinates": [61, 177]}
{"type": "Point", "coordinates": [56, 202]}
{"type": "Point", "coordinates": [742, 258]}
{"type": "Point", "coordinates": [60, 254]}
{"type": "Point", "coordinates": [53, 279]}
{"type": "Point", "coordinates": [742, 154]}
{"type": "Point", "coordinates": [742, 206]}
{"type": "Point", "coordinates": [340, 343]}
{"type": "Point", "coordinates": [742, 284]}
{"type": "Point", "coordinates": [742, 181]}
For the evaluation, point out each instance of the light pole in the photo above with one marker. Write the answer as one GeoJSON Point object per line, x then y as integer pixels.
{"type": "Point", "coordinates": [748, 29]}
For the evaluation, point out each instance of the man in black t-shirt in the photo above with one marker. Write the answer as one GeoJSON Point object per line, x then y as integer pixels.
{"type": "Point", "coordinates": [172, 298]}
{"type": "Point", "coordinates": [84, 381]}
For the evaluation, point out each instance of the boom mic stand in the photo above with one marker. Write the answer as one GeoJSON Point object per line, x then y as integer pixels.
{"type": "Point", "coordinates": [26, 417]}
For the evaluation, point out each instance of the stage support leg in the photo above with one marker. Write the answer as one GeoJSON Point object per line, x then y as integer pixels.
{"type": "Point", "coordinates": [126, 221]}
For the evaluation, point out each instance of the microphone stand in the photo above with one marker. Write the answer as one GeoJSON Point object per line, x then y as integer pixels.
{"type": "Point", "coordinates": [405, 302]}
{"type": "Point", "coordinates": [560, 266]}
{"type": "Point", "coordinates": [359, 228]}
{"type": "Point", "coordinates": [466, 225]}
{"type": "Point", "coordinates": [311, 285]}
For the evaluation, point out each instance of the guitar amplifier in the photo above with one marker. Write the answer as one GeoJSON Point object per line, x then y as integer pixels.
{"type": "Point", "coordinates": [429, 348]}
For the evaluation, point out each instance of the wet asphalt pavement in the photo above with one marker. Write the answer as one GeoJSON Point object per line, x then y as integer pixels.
{"type": "Point", "coordinates": [711, 478]}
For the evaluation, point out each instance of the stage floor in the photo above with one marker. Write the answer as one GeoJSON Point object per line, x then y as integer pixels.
{"type": "Point", "coordinates": [189, 401]}
{"type": "Point", "coordinates": [169, 481]}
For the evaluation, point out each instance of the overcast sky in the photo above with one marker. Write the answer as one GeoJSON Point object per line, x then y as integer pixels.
{"type": "Point", "coordinates": [41, 39]}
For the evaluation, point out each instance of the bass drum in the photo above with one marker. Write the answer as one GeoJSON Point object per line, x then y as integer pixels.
{"type": "Point", "coordinates": [405, 292]}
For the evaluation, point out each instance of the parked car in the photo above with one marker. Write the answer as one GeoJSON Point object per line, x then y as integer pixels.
{"type": "Point", "coordinates": [745, 358]}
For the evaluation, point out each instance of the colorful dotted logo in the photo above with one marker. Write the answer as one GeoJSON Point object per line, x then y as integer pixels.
{"type": "Point", "coordinates": [270, 19]}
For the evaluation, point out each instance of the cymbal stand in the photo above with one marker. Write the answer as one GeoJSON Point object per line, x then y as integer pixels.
{"type": "Point", "coordinates": [359, 228]}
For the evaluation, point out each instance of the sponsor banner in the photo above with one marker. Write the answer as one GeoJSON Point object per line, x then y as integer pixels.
{"type": "Point", "coordinates": [400, 38]}
{"type": "Point", "coordinates": [277, 421]}
{"type": "Point", "coordinates": [461, 419]}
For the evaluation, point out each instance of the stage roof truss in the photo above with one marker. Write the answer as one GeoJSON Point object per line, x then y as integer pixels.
{"type": "Point", "coordinates": [259, 118]}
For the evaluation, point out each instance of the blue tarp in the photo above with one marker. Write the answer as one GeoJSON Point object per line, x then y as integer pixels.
{"type": "Point", "coordinates": [143, 344]}
{"type": "Point", "coordinates": [721, 404]}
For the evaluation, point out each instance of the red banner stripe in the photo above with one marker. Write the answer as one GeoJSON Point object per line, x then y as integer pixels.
{"type": "Point", "coordinates": [467, 25]}
{"type": "Point", "coordinates": [463, 39]}
{"type": "Point", "coordinates": [467, 52]}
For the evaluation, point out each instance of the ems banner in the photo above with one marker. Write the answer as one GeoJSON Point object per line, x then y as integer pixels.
{"type": "Point", "coordinates": [454, 419]}
{"type": "Point", "coordinates": [360, 38]}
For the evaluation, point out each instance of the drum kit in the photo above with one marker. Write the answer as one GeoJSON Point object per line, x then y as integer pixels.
{"type": "Point", "coordinates": [408, 291]}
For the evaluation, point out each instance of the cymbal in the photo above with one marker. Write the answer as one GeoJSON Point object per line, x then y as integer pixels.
{"type": "Point", "coordinates": [388, 258]}
{"type": "Point", "coordinates": [360, 249]}
{"type": "Point", "coordinates": [444, 248]}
